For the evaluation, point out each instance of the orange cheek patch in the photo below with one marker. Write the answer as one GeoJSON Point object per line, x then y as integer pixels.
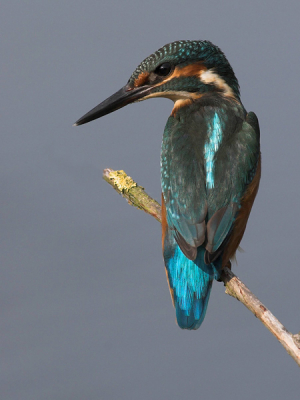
{"type": "Point", "coordinates": [141, 79]}
{"type": "Point", "coordinates": [189, 70]}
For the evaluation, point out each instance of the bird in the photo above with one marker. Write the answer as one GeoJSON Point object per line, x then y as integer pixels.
{"type": "Point", "coordinates": [210, 165]}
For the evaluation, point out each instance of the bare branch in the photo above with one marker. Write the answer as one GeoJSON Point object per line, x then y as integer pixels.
{"type": "Point", "coordinates": [236, 288]}
{"type": "Point", "coordinates": [137, 197]}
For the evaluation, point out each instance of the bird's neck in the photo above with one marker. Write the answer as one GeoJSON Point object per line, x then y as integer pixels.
{"type": "Point", "coordinates": [208, 105]}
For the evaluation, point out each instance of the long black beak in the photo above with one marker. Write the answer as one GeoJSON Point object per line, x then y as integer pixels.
{"type": "Point", "coordinates": [124, 96]}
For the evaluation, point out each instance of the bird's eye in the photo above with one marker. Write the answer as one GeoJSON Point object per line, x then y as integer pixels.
{"type": "Point", "coordinates": [163, 69]}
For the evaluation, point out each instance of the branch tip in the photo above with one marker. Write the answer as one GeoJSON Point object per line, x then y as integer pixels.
{"type": "Point", "coordinates": [137, 197]}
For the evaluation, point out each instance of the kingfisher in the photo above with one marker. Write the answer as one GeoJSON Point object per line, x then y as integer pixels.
{"type": "Point", "coordinates": [210, 165]}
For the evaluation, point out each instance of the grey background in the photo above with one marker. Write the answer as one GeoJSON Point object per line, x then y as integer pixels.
{"type": "Point", "coordinates": [85, 310]}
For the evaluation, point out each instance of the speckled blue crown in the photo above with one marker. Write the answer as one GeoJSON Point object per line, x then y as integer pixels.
{"type": "Point", "coordinates": [188, 51]}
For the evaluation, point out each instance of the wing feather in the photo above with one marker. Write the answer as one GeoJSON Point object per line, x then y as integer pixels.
{"type": "Point", "coordinates": [197, 214]}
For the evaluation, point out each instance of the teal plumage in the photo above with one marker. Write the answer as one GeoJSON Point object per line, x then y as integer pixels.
{"type": "Point", "coordinates": [190, 282]}
{"type": "Point", "coordinates": [205, 169]}
{"type": "Point", "coordinates": [210, 165]}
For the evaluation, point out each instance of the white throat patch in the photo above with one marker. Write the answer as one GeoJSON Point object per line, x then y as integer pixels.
{"type": "Point", "coordinates": [210, 76]}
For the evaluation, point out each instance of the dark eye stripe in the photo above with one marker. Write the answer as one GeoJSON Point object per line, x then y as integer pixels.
{"type": "Point", "coordinates": [163, 69]}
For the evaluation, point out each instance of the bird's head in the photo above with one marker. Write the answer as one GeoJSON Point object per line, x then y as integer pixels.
{"type": "Point", "coordinates": [182, 71]}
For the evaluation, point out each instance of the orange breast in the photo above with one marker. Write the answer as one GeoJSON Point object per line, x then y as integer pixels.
{"type": "Point", "coordinates": [242, 218]}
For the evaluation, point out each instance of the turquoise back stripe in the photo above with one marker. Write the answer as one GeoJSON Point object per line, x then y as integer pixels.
{"type": "Point", "coordinates": [210, 149]}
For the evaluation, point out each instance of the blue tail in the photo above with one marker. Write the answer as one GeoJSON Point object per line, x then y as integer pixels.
{"type": "Point", "coordinates": [190, 284]}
